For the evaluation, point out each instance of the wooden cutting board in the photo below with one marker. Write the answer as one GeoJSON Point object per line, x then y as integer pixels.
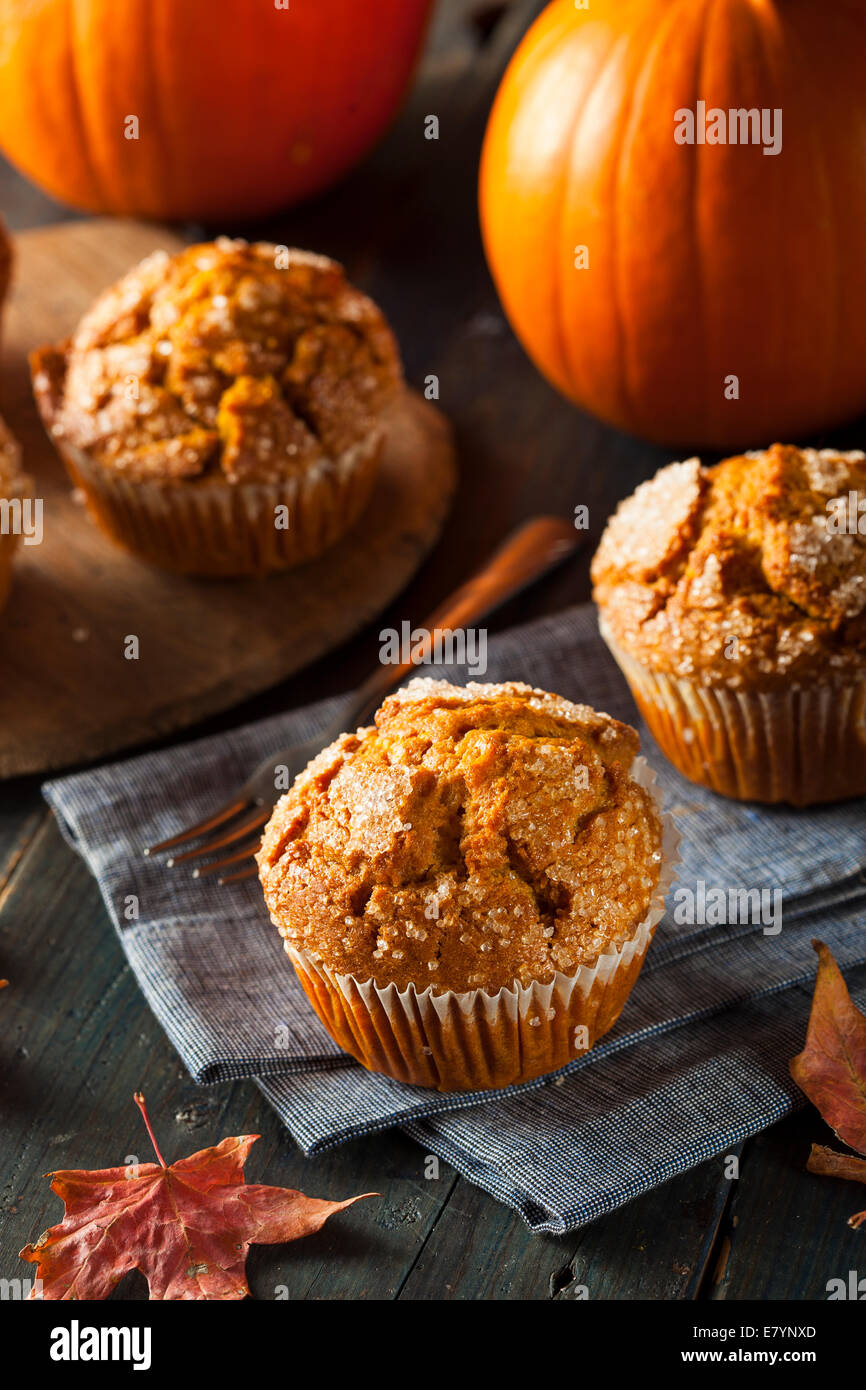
{"type": "Point", "coordinates": [67, 692]}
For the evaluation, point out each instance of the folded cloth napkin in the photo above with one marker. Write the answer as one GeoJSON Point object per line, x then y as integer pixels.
{"type": "Point", "coordinates": [697, 1061]}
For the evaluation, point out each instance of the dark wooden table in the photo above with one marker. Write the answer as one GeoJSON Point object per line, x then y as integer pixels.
{"type": "Point", "coordinates": [76, 1037]}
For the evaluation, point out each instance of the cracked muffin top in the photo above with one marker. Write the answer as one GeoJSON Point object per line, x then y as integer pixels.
{"type": "Point", "coordinates": [246, 362]}
{"type": "Point", "coordinates": [475, 836]}
{"type": "Point", "coordinates": [748, 574]}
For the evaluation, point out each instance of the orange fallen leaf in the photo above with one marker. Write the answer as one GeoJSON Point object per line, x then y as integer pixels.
{"type": "Point", "coordinates": [186, 1226]}
{"type": "Point", "coordinates": [831, 1069]}
{"type": "Point", "coordinates": [830, 1164]}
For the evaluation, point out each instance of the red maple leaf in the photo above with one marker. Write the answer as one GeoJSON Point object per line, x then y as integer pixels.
{"type": "Point", "coordinates": [186, 1226]}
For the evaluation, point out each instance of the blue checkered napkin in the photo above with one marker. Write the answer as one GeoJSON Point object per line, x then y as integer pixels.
{"type": "Point", "coordinates": [697, 1060]}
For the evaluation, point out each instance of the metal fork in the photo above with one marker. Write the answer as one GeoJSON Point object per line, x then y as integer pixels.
{"type": "Point", "coordinates": [527, 554]}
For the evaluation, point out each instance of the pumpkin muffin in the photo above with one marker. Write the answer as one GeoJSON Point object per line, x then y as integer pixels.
{"type": "Point", "coordinates": [467, 890]}
{"type": "Point", "coordinates": [14, 487]}
{"type": "Point", "coordinates": [222, 409]}
{"type": "Point", "coordinates": [734, 600]}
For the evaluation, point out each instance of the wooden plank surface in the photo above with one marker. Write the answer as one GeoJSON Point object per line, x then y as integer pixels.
{"type": "Point", "coordinates": [76, 1039]}
{"type": "Point", "coordinates": [405, 226]}
{"type": "Point", "coordinates": [786, 1232]}
{"type": "Point", "coordinates": [204, 644]}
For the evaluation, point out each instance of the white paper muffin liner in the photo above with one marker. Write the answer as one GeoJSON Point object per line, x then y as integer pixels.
{"type": "Point", "coordinates": [801, 746]}
{"type": "Point", "coordinates": [476, 1041]}
{"type": "Point", "coordinates": [215, 527]}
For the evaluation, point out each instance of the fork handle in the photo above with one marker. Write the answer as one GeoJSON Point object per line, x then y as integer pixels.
{"type": "Point", "coordinates": [526, 554]}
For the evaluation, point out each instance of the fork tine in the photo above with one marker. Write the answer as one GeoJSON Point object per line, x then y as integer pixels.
{"type": "Point", "coordinates": [252, 822]}
{"type": "Point", "coordinates": [204, 869]}
{"type": "Point", "coordinates": [236, 878]}
{"type": "Point", "coordinates": [192, 833]}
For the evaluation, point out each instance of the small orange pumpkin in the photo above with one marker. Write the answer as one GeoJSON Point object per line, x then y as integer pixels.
{"type": "Point", "coordinates": [700, 293]}
{"type": "Point", "coordinates": [199, 109]}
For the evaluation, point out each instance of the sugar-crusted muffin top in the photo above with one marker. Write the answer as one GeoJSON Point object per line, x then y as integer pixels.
{"type": "Point", "coordinates": [748, 574]}
{"type": "Point", "coordinates": [244, 361]}
{"type": "Point", "coordinates": [475, 836]}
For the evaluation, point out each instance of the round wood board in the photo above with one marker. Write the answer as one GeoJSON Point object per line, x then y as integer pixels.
{"type": "Point", "coordinates": [67, 692]}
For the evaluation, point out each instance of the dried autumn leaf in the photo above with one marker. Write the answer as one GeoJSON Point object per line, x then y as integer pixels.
{"type": "Point", "coordinates": [187, 1227]}
{"type": "Point", "coordinates": [831, 1069]}
{"type": "Point", "coordinates": [830, 1164]}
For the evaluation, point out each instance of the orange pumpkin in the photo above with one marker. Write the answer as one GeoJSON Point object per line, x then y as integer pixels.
{"type": "Point", "coordinates": [199, 109]}
{"type": "Point", "coordinates": [700, 293]}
